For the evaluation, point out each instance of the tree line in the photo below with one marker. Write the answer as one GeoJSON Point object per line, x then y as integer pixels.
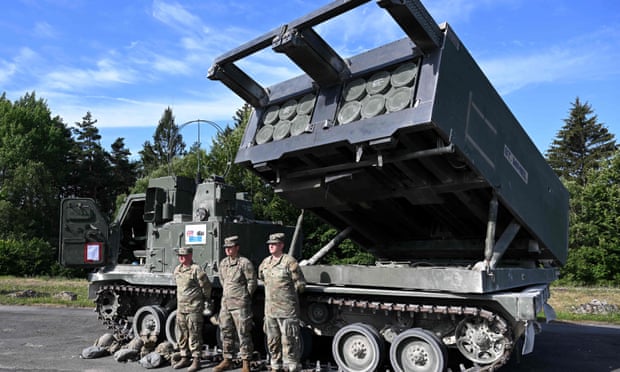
{"type": "Point", "coordinates": [43, 159]}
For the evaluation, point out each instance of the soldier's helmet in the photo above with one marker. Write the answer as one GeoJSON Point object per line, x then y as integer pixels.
{"type": "Point", "coordinates": [231, 241]}
{"type": "Point", "coordinates": [165, 349]}
{"type": "Point", "coordinates": [276, 238]}
{"type": "Point", "coordinates": [183, 251]}
{"type": "Point", "coordinates": [105, 340]}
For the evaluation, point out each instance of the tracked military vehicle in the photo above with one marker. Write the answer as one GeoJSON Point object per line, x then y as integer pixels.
{"type": "Point", "coordinates": [133, 257]}
{"type": "Point", "coordinates": [409, 150]}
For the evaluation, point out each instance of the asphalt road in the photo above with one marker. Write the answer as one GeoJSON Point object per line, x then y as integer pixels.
{"type": "Point", "coordinates": [51, 339]}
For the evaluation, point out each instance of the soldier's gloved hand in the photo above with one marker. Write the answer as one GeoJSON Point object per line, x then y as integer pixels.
{"type": "Point", "coordinates": [300, 287]}
{"type": "Point", "coordinates": [208, 311]}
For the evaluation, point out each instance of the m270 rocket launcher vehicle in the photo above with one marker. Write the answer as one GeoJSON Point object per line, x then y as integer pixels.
{"type": "Point", "coordinates": [410, 151]}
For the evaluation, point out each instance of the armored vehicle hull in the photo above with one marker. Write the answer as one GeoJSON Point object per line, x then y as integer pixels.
{"type": "Point", "coordinates": [409, 150]}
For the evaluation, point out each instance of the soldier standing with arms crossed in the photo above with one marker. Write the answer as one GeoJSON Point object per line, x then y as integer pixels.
{"type": "Point", "coordinates": [283, 280]}
{"type": "Point", "coordinates": [193, 290]}
{"type": "Point", "coordinates": [238, 279]}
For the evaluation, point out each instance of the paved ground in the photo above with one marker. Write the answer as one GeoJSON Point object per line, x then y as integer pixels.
{"type": "Point", "coordinates": [572, 347]}
{"type": "Point", "coordinates": [51, 339]}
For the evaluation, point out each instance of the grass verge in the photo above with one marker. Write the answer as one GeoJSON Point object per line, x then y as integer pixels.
{"type": "Point", "coordinates": [45, 290]}
{"type": "Point", "coordinates": [566, 299]}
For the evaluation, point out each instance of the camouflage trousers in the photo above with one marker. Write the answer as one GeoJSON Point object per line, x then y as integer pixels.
{"type": "Point", "coordinates": [284, 342]}
{"type": "Point", "coordinates": [190, 333]}
{"type": "Point", "coordinates": [235, 325]}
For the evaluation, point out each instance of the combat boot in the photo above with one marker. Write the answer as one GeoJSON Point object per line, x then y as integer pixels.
{"type": "Point", "coordinates": [224, 365]}
{"type": "Point", "coordinates": [195, 365]}
{"type": "Point", "coordinates": [246, 366]}
{"type": "Point", "coordinates": [184, 362]}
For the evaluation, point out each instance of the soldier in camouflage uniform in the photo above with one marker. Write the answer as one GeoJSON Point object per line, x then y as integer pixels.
{"type": "Point", "coordinates": [193, 290]}
{"type": "Point", "coordinates": [238, 279]}
{"type": "Point", "coordinates": [283, 280]}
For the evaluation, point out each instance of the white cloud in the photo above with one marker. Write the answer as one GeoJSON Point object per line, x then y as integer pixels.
{"type": "Point", "coordinates": [145, 112]}
{"type": "Point", "coordinates": [106, 72]}
{"type": "Point", "coordinates": [510, 73]}
{"type": "Point", "coordinates": [190, 43]}
{"type": "Point", "coordinates": [25, 55]}
{"type": "Point", "coordinates": [20, 63]}
{"type": "Point", "coordinates": [360, 29]}
{"type": "Point", "coordinates": [452, 10]}
{"type": "Point", "coordinates": [174, 15]}
{"type": "Point", "coordinates": [171, 66]}
{"type": "Point", "coordinates": [7, 69]}
{"type": "Point", "coordinates": [44, 30]}
{"type": "Point", "coordinates": [565, 62]}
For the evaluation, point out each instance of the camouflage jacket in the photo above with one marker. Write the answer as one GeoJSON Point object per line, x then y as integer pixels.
{"type": "Point", "coordinates": [283, 280]}
{"type": "Point", "coordinates": [238, 279]}
{"type": "Point", "coordinates": [193, 288]}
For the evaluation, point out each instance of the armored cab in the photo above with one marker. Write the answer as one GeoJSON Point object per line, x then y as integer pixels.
{"type": "Point", "coordinates": [133, 258]}
{"type": "Point", "coordinates": [410, 151]}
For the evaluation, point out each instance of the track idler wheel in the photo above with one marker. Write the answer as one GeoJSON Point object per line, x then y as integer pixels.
{"type": "Point", "coordinates": [480, 341]}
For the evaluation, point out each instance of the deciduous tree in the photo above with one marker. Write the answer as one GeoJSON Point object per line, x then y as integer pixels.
{"type": "Point", "coordinates": [33, 167]}
{"type": "Point", "coordinates": [594, 255]}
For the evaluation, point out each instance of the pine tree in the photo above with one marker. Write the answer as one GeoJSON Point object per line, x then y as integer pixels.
{"type": "Point", "coordinates": [91, 175]}
{"type": "Point", "coordinates": [124, 171]}
{"type": "Point", "coordinates": [167, 143]}
{"type": "Point", "coordinates": [581, 145]}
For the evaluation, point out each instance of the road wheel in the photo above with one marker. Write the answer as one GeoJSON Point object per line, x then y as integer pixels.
{"type": "Point", "coordinates": [149, 319]}
{"type": "Point", "coordinates": [358, 347]}
{"type": "Point", "coordinates": [418, 350]}
{"type": "Point", "coordinates": [171, 330]}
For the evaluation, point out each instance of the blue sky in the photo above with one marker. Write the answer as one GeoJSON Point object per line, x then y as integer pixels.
{"type": "Point", "coordinates": [126, 61]}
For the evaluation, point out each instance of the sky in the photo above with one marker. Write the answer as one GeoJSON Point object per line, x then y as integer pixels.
{"type": "Point", "coordinates": [125, 62]}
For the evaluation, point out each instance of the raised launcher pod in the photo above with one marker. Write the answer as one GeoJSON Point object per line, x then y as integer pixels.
{"type": "Point", "coordinates": [409, 144]}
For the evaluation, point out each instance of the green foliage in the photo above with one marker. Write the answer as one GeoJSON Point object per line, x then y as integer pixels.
{"type": "Point", "coordinates": [123, 172]}
{"type": "Point", "coordinates": [26, 257]}
{"type": "Point", "coordinates": [347, 252]}
{"type": "Point", "coordinates": [609, 318]}
{"type": "Point", "coordinates": [584, 155]}
{"type": "Point", "coordinates": [27, 200]}
{"type": "Point", "coordinates": [34, 167]}
{"type": "Point", "coordinates": [591, 265]}
{"type": "Point", "coordinates": [41, 161]}
{"type": "Point", "coordinates": [594, 242]}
